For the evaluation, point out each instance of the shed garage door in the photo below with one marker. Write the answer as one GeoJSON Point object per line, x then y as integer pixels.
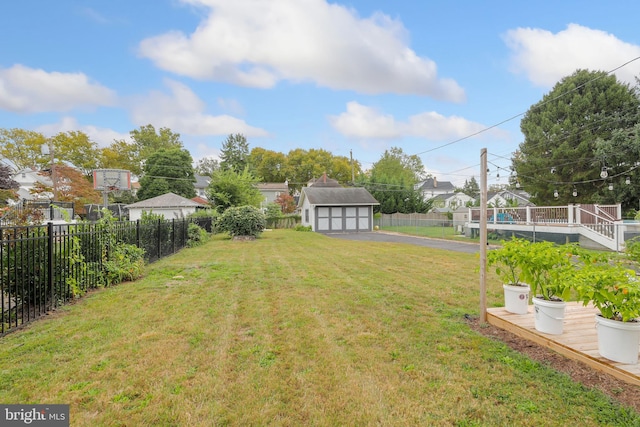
{"type": "Point", "coordinates": [343, 218]}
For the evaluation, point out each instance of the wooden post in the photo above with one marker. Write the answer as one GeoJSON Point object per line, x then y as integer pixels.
{"type": "Point", "coordinates": [483, 235]}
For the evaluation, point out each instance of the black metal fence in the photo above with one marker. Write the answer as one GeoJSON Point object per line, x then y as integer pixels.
{"type": "Point", "coordinates": [43, 267]}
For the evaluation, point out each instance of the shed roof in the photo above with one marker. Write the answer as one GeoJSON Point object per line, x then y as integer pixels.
{"type": "Point", "coordinates": [168, 200]}
{"type": "Point", "coordinates": [338, 196]}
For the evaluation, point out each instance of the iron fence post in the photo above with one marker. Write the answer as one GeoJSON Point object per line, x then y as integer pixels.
{"type": "Point", "coordinates": [173, 235]}
{"type": "Point", "coordinates": [50, 264]}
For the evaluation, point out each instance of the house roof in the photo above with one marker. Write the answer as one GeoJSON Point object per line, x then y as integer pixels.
{"type": "Point", "coordinates": [433, 184]}
{"type": "Point", "coordinates": [272, 186]}
{"type": "Point", "coordinates": [447, 196]}
{"type": "Point", "coordinates": [337, 196]}
{"type": "Point", "coordinates": [169, 200]}
{"type": "Point", "coordinates": [202, 181]}
{"type": "Point", "coordinates": [33, 176]}
{"type": "Point", "coordinates": [200, 200]}
{"type": "Point", "coordinates": [324, 181]}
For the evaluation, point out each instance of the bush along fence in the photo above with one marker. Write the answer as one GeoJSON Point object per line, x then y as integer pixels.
{"type": "Point", "coordinates": [45, 266]}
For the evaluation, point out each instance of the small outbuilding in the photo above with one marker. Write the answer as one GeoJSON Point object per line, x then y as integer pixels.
{"type": "Point", "coordinates": [337, 209]}
{"type": "Point", "coordinates": [169, 205]}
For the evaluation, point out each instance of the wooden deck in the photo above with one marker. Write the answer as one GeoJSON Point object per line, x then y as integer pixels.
{"type": "Point", "coordinates": [578, 340]}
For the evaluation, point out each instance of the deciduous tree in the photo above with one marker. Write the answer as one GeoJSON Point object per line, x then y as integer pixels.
{"type": "Point", "coordinates": [392, 182]}
{"type": "Point", "coordinates": [76, 148]}
{"type": "Point", "coordinates": [23, 148]}
{"type": "Point", "coordinates": [267, 165]}
{"type": "Point", "coordinates": [230, 188]}
{"type": "Point", "coordinates": [168, 170]}
{"type": "Point", "coordinates": [287, 203]}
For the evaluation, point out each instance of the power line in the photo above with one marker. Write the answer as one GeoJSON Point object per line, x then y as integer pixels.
{"type": "Point", "coordinates": [537, 105]}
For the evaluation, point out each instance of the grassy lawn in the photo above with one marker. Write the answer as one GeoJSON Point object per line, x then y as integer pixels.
{"type": "Point", "coordinates": [435, 232]}
{"type": "Point", "coordinates": [448, 233]}
{"type": "Point", "coordinates": [292, 329]}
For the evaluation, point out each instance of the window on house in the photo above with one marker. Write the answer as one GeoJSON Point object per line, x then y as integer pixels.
{"type": "Point", "coordinates": [306, 215]}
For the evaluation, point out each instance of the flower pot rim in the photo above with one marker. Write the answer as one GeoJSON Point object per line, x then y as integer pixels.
{"type": "Point", "coordinates": [546, 302]}
{"type": "Point", "coordinates": [520, 285]}
{"type": "Point", "coordinates": [631, 323]}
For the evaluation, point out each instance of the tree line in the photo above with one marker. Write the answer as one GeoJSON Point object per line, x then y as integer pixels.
{"type": "Point", "coordinates": [581, 145]}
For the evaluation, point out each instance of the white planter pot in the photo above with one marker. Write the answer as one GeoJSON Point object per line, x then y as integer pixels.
{"type": "Point", "coordinates": [516, 298]}
{"type": "Point", "coordinates": [549, 316]}
{"type": "Point", "coordinates": [618, 341]}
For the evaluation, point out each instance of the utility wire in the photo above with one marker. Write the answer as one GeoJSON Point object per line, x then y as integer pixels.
{"type": "Point", "coordinates": [555, 98]}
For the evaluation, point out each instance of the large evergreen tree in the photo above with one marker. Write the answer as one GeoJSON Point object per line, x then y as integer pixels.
{"type": "Point", "coordinates": [560, 151]}
{"type": "Point", "coordinates": [234, 154]}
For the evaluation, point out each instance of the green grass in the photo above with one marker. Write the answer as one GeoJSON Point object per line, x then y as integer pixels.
{"type": "Point", "coordinates": [435, 232]}
{"type": "Point", "coordinates": [291, 329]}
{"type": "Point", "coordinates": [447, 233]}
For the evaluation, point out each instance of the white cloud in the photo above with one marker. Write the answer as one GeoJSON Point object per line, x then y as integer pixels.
{"type": "Point", "coordinates": [545, 58]}
{"type": "Point", "coordinates": [102, 136]}
{"type": "Point", "coordinates": [258, 43]}
{"type": "Point", "coordinates": [28, 90]}
{"type": "Point", "coordinates": [183, 112]}
{"type": "Point", "coordinates": [360, 121]}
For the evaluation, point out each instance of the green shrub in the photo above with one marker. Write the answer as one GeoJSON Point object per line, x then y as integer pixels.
{"type": "Point", "coordinates": [632, 249]}
{"type": "Point", "coordinates": [301, 227]}
{"type": "Point", "coordinates": [196, 235]}
{"type": "Point", "coordinates": [242, 221]}
{"type": "Point", "coordinates": [125, 262]}
{"type": "Point", "coordinates": [274, 211]}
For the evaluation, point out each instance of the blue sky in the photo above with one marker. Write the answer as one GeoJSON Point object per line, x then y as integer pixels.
{"type": "Point", "coordinates": [360, 76]}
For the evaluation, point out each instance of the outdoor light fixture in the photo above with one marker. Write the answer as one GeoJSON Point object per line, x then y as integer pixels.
{"type": "Point", "coordinates": [517, 184]}
{"type": "Point", "coordinates": [575, 192]}
{"type": "Point", "coordinates": [555, 193]}
{"type": "Point", "coordinates": [627, 181]}
{"type": "Point", "coordinates": [610, 187]}
{"type": "Point", "coordinates": [604, 173]}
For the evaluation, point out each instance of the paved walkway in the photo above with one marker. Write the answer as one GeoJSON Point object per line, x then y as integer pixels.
{"type": "Point", "coordinates": [385, 236]}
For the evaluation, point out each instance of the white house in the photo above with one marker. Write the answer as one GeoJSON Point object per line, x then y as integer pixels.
{"type": "Point", "coordinates": [449, 202]}
{"type": "Point", "coordinates": [431, 187]}
{"type": "Point", "coordinates": [271, 191]}
{"type": "Point", "coordinates": [201, 184]}
{"type": "Point", "coordinates": [168, 205]}
{"type": "Point", "coordinates": [27, 178]}
{"type": "Point", "coordinates": [509, 198]}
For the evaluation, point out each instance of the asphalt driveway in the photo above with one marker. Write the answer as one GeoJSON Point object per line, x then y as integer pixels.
{"type": "Point", "coordinates": [383, 236]}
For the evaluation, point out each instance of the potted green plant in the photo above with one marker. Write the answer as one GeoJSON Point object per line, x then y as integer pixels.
{"type": "Point", "coordinates": [507, 261]}
{"type": "Point", "coordinates": [614, 290]}
{"type": "Point", "coordinates": [544, 270]}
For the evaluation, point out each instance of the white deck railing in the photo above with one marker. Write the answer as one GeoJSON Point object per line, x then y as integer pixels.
{"type": "Point", "coordinates": [601, 220]}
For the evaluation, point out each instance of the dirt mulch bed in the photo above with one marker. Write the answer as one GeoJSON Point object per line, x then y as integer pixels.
{"type": "Point", "coordinates": [626, 394]}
